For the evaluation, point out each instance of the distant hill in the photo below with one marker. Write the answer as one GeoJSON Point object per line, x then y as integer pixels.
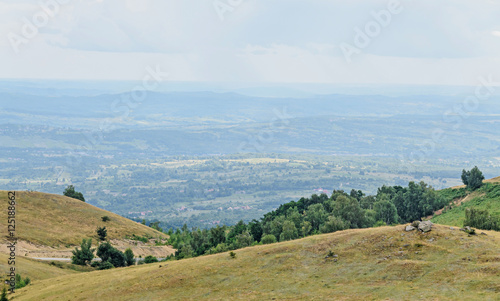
{"type": "Point", "coordinates": [384, 263]}
{"type": "Point", "coordinates": [57, 221]}
{"type": "Point", "coordinates": [486, 198]}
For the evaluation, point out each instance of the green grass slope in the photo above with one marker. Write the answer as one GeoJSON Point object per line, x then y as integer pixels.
{"type": "Point", "coordinates": [487, 198]}
{"type": "Point", "coordinates": [373, 264]}
{"type": "Point", "coordinates": [55, 220]}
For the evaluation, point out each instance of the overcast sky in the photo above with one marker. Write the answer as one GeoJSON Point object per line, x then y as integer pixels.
{"type": "Point", "coordinates": [413, 42]}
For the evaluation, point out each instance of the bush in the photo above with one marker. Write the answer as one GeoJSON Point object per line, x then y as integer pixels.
{"type": "Point", "coordinates": [150, 259]}
{"type": "Point", "coordinates": [108, 253]}
{"type": "Point", "coordinates": [232, 255]}
{"type": "Point", "coordinates": [481, 219]}
{"type": "Point", "coordinates": [20, 282]}
{"type": "Point", "coordinates": [129, 257]}
{"type": "Point", "coordinates": [70, 192]}
{"type": "Point", "coordinates": [144, 239]}
{"type": "Point", "coordinates": [105, 265]}
{"type": "Point", "coordinates": [269, 239]}
{"type": "Point", "coordinates": [105, 218]}
{"type": "Point", "coordinates": [95, 264]}
{"type": "Point", "coordinates": [85, 255]}
{"type": "Point", "coordinates": [379, 224]}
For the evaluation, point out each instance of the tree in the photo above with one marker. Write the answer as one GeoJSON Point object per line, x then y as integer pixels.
{"type": "Point", "coordinates": [255, 228]}
{"type": "Point", "coordinates": [316, 215]}
{"type": "Point", "coordinates": [236, 230]}
{"type": "Point", "coordinates": [386, 211]}
{"type": "Point", "coordinates": [3, 297]}
{"type": "Point", "coordinates": [70, 192]}
{"type": "Point", "coordinates": [243, 240]}
{"type": "Point", "coordinates": [129, 257]}
{"type": "Point", "coordinates": [289, 231]}
{"type": "Point", "coordinates": [305, 228]}
{"type": "Point", "coordinates": [350, 211]}
{"type": "Point", "coordinates": [85, 255]}
{"type": "Point", "coordinates": [473, 179]}
{"type": "Point", "coordinates": [108, 253]}
{"type": "Point", "coordinates": [334, 223]}
{"type": "Point", "coordinates": [102, 233]}
{"type": "Point", "coordinates": [268, 239]}
{"type": "Point", "coordinates": [156, 226]}
{"type": "Point", "coordinates": [217, 235]}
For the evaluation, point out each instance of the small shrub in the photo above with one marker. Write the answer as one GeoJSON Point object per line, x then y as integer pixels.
{"type": "Point", "coordinates": [102, 233]}
{"type": "Point", "coordinates": [150, 259]}
{"type": "Point", "coordinates": [106, 265]}
{"type": "Point", "coordinates": [105, 218]}
{"type": "Point", "coordinates": [20, 282]}
{"type": "Point", "coordinates": [95, 264]}
{"type": "Point", "coordinates": [330, 254]}
{"type": "Point", "coordinates": [144, 239]}
{"type": "Point", "coordinates": [269, 239]}
{"type": "Point", "coordinates": [379, 224]}
{"type": "Point", "coordinates": [232, 255]}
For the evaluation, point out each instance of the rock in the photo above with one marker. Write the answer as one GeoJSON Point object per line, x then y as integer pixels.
{"type": "Point", "coordinates": [451, 228]}
{"type": "Point", "coordinates": [425, 226]}
{"type": "Point", "coordinates": [482, 233]}
{"type": "Point", "coordinates": [409, 228]}
{"type": "Point", "coordinates": [432, 239]}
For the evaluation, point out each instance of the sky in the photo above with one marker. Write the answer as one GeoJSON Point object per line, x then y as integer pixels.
{"type": "Point", "coordinates": [426, 42]}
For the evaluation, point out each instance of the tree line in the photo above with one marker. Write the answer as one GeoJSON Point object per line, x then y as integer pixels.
{"type": "Point", "coordinates": [314, 215]}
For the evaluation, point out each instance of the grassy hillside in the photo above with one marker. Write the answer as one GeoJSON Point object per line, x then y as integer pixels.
{"type": "Point", "coordinates": [38, 270]}
{"type": "Point", "coordinates": [372, 264]}
{"type": "Point", "coordinates": [54, 220]}
{"type": "Point", "coordinates": [487, 198]}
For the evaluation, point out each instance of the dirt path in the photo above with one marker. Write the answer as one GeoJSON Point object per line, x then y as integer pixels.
{"type": "Point", "coordinates": [27, 249]}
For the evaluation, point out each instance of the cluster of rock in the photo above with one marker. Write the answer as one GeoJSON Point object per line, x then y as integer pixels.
{"type": "Point", "coordinates": [424, 226]}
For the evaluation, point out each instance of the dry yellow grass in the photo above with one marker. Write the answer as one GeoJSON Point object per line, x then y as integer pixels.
{"type": "Point", "coordinates": [373, 264]}
{"type": "Point", "coordinates": [34, 269]}
{"type": "Point", "coordinates": [54, 220]}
